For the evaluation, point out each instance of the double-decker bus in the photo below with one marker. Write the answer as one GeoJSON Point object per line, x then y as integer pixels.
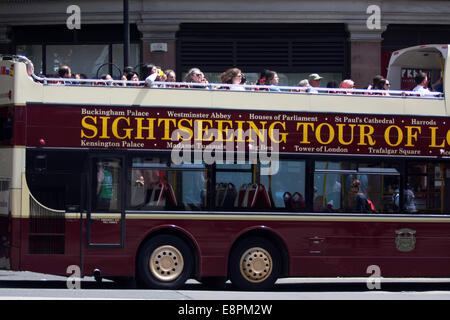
{"type": "Point", "coordinates": [168, 183]}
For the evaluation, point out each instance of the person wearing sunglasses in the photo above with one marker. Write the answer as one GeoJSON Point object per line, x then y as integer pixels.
{"type": "Point", "coordinates": [233, 77]}
{"type": "Point", "coordinates": [194, 75]}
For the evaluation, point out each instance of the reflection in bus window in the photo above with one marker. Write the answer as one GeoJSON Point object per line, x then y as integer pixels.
{"type": "Point", "coordinates": [334, 187]}
{"type": "Point", "coordinates": [107, 185]}
{"type": "Point", "coordinates": [287, 186]}
{"type": "Point", "coordinates": [155, 185]}
{"type": "Point", "coordinates": [426, 181]}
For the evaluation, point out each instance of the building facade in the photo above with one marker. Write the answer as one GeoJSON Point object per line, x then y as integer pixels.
{"type": "Point", "coordinates": [337, 39]}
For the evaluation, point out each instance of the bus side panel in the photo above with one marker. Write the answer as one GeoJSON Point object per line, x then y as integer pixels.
{"type": "Point", "coordinates": [48, 257]}
{"type": "Point", "coordinates": [405, 248]}
{"type": "Point", "coordinates": [399, 249]}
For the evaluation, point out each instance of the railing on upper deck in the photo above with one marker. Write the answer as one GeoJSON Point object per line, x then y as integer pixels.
{"type": "Point", "coordinates": [236, 87]}
{"type": "Point", "coordinates": [224, 86]}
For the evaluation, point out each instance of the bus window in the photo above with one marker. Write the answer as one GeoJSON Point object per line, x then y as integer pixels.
{"type": "Point", "coordinates": [287, 186]}
{"type": "Point", "coordinates": [353, 187]}
{"type": "Point", "coordinates": [156, 185]}
{"type": "Point", "coordinates": [107, 182]}
{"type": "Point", "coordinates": [233, 181]}
{"type": "Point", "coordinates": [426, 185]}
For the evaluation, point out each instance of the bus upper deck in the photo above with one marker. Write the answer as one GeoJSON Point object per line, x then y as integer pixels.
{"type": "Point", "coordinates": [19, 89]}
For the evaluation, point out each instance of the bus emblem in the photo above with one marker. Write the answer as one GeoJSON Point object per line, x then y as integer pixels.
{"type": "Point", "coordinates": [405, 241]}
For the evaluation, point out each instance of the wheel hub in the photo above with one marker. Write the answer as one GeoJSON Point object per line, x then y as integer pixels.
{"type": "Point", "coordinates": [256, 264]}
{"type": "Point", "coordinates": [166, 263]}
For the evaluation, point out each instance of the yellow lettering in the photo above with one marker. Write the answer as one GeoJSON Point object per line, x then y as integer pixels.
{"type": "Point", "coordinates": [433, 138]}
{"type": "Point", "coordinates": [341, 133]}
{"type": "Point", "coordinates": [363, 135]}
{"type": "Point", "coordinates": [105, 128]}
{"type": "Point", "coordinates": [410, 135]}
{"type": "Point", "coordinates": [88, 126]}
{"type": "Point", "coordinates": [114, 128]}
{"type": "Point", "coordinates": [305, 126]}
{"type": "Point", "coordinates": [166, 125]}
{"type": "Point", "coordinates": [282, 135]}
{"type": "Point", "coordinates": [399, 135]}
{"type": "Point", "coordinates": [140, 127]}
{"type": "Point", "coordinates": [188, 130]}
{"type": "Point", "coordinates": [254, 128]}
{"type": "Point", "coordinates": [319, 133]}
{"type": "Point", "coordinates": [223, 128]}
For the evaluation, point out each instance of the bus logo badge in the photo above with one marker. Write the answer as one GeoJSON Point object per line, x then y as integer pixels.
{"type": "Point", "coordinates": [405, 241]}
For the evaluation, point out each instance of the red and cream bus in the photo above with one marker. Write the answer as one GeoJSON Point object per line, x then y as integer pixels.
{"type": "Point", "coordinates": [164, 184]}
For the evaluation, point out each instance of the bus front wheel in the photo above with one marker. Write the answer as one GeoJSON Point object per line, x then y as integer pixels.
{"type": "Point", "coordinates": [254, 264]}
{"type": "Point", "coordinates": [165, 262]}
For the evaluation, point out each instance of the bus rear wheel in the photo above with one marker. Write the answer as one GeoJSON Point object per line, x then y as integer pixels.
{"type": "Point", "coordinates": [165, 262]}
{"type": "Point", "coordinates": [254, 264]}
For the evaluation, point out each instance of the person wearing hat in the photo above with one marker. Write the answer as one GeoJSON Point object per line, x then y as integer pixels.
{"type": "Point", "coordinates": [314, 80]}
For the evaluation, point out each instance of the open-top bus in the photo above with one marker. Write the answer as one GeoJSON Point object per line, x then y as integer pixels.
{"type": "Point", "coordinates": [166, 183]}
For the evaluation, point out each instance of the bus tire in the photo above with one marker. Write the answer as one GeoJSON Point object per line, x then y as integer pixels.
{"type": "Point", "coordinates": [165, 262]}
{"type": "Point", "coordinates": [255, 264]}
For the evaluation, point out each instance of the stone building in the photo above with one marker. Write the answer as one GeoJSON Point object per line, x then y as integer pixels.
{"type": "Point", "coordinates": [338, 39]}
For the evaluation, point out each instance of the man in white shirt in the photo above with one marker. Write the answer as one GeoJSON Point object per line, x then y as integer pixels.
{"type": "Point", "coordinates": [421, 84]}
{"type": "Point", "coordinates": [314, 82]}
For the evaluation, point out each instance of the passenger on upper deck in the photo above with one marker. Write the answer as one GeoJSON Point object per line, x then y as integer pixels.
{"type": "Point", "coordinates": [383, 84]}
{"type": "Point", "coordinates": [195, 75]}
{"type": "Point", "coordinates": [232, 76]}
{"type": "Point", "coordinates": [126, 71]}
{"type": "Point", "coordinates": [304, 84]}
{"type": "Point", "coordinates": [132, 76]}
{"type": "Point", "coordinates": [438, 85]}
{"type": "Point", "coordinates": [314, 82]}
{"type": "Point", "coordinates": [262, 77]}
{"type": "Point", "coordinates": [332, 84]}
{"type": "Point", "coordinates": [347, 84]}
{"type": "Point", "coordinates": [66, 73]}
{"type": "Point", "coordinates": [421, 80]}
{"type": "Point", "coordinates": [272, 79]}
{"type": "Point", "coordinates": [375, 81]}
{"type": "Point", "coordinates": [30, 69]}
{"type": "Point", "coordinates": [170, 75]}
{"type": "Point", "coordinates": [107, 80]}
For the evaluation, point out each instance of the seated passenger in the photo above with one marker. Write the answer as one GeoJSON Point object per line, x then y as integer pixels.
{"type": "Point", "coordinates": [375, 81]}
{"type": "Point", "coordinates": [314, 82]}
{"type": "Point", "coordinates": [233, 77]}
{"type": "Point", "coordinates": [421, 87]}
{"type": "Point", "coordinates": [126, 71]}
{"type": "Point", "coordinates": [304, 84]}
{"type": "Point", "coordinates": [332, 84]}
{"type": "Point", "coordinates": [272, 79]}
{"type": "Point", "coordinates": [65, 72]}
{"type": "Point", "coordinates": [347, 84]}
{"type": "Point", "coordinates": [361, 202]}
{"type": "Point", "coordinates": [132, 76]}
{"type": "Point", "coordinates": [170, 75]}
{"type": "Point", "coordinates": [107, 80]}
{"type": "Point", "coordinates": [195, 75]}
{"type": "Point", "coordinates": [438, 86]}
{"type": "Point", "coordinates": [383, 84]}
